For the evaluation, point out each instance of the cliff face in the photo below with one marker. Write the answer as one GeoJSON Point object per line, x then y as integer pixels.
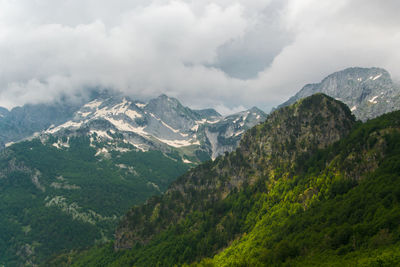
{"type": "Point", "coordinates": [297, 130]}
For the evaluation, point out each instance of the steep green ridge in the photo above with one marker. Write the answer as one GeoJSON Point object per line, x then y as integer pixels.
{"type": "Point", "coordinates": [57, 196]}
{"type": "Point", "coordinates": [308, 187]}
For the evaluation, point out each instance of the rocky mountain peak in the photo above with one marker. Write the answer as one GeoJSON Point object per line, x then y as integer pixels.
{"type": "Point", "coordinates": [369, 92]}
{"type": "Point", "coordinates": [164, 102]}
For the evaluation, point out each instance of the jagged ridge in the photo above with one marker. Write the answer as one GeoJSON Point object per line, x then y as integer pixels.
{"type": "Point", "coordinates": [162, 124]}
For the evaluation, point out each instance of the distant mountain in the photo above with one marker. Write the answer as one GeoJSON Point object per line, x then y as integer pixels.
{"type": "Point", "coordinates": [25, 121]}
{"type": "Point", "coordinates": [308, 187]}
{"type": "Point", "coordinates": [161, 124]}
{"type": "Point", "coordinates": [368, 92]}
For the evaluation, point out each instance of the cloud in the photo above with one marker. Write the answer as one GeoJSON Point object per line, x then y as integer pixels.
{"type": "Point", "coordinates": [223, 54]}
{"type": "Point", "coordinates": [330, 36]}
{"type": "Point", "coordinates": [152, 49]}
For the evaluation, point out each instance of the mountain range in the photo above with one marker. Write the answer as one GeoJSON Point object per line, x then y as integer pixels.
{"type": "Point", "coordinates": [161, 124]}
{"type": "Point", "coordinates": [70, 171]}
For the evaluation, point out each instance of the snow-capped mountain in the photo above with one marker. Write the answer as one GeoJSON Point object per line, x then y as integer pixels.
{"type": "Point", "coordinates": [369, 92]}
{"type": "Point", "coordinates": [161, 124]}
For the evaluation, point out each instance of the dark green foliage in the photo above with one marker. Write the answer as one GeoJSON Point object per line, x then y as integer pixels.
{"type": "Point", "coordinates": [77, 199]}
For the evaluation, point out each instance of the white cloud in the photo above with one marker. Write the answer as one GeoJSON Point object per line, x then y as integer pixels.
{"type": "Point", "coordinates": [223, 110]}
{"type": "Point", "coordinates": [330, 36]}
{"type": "Point", "coordinates": [152, 49]}
{"type": "Point", "coordinates": [192, 50]}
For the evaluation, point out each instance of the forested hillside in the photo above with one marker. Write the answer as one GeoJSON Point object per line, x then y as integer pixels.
{"type": "Point", "coordinates": [57, 196]}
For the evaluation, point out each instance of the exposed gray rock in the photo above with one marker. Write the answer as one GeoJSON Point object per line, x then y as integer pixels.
{"type": "Point", "coordinates": [162, 124]}
{"type": "Point", "coordinates": [22, 122]}
{"type": "Point", "coordinates": [368, 92]}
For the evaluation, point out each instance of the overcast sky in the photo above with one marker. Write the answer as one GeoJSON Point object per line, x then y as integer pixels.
{"type": "Point", "coordinates": [225, 54]}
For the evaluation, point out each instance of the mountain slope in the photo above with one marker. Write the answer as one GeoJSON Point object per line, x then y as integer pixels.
{"type": "Point", "coordinates": [294, 198]}
{"type": "Point", "coordinates": [60, 194]}
{"type": "Point", "coordinates": [368, 92]}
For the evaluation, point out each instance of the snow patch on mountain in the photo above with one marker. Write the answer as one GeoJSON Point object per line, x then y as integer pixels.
{"type": "Point", "coordinates": [124, 126]}
{"type": "Point", "coordinates": [178, 143]}
{"type": "Point", "coordinates": [377, 77]}
{"type": "Point", "coordinates": [68, 124]}
{"type": "Point", "coordinates": [93, 104]}
{"type": "Point", "coordinates": [60, 144]}
{"type": "Point", "coordinates": [195, 128]}
{"type": "Point", "coordinates": [132, 114]}
{"type": "Point", "coordinates": [102, 151]}
{"type": "Point", "coordinates": [9, 144]}
{"type": "Point", "coordinates": [239, 133]}
{"type": "Point", "coordinates": [186, 161]}
{"type": "Point", "coordinates": [140, 105]}
{"type": "Point", "coordinates": [372, 100]}
{"type": "Point", "coordinates": [103, 134]}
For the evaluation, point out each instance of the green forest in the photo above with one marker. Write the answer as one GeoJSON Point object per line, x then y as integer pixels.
{"type": "Point", "coordinates": [54, 200]}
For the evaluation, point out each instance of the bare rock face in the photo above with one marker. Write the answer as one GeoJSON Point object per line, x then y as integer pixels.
{"type": "Point", "coordinates": [368, 92]}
